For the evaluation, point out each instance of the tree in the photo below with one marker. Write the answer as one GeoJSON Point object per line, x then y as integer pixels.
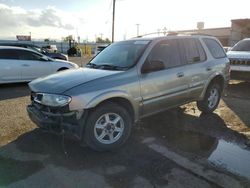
{"type": "Point", "coordinates": [107, 40]}
{"type": "Point", "coordinates": [100, 40]}
{"type": "Point", "coordinates": [68, 38]}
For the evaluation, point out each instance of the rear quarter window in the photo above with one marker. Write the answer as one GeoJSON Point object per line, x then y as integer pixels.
{"type": "Point", "coordinates": [215, 48]}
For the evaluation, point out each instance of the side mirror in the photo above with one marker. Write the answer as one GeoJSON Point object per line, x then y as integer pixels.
{"type": "Point", "coordinates": [152, 66]}
{"type": "Point", "coordinates": [44, 58]}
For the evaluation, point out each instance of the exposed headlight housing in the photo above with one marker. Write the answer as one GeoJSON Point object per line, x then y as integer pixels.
{"type": "Point", "coordinates": [52, 99]}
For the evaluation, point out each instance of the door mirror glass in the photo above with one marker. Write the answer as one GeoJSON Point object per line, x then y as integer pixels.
{"type": "Point", "coordinates": [44, 58]}
{"type": "Point", "coordinates": [152, 66]}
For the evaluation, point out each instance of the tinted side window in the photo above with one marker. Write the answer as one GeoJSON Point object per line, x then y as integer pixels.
{"type": "Point", "coordinates": [27, 55]}
{"type": "Point", "coordinates": [166, 51]}
{"type": "Point", "coordinates": [8, 54]}
{"type": "Point", "coordinates": [192, 51]}
{"type": "Point", "coordinates": [215, 48]}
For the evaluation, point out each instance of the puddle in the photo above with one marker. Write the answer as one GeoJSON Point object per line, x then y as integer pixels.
{"type": "Point", "coordinates": [192, 142]}
{"type": "Point", "coordinates": [221, 153]}
{"type": "Point", "coordinates": [188, 141]}
{"type": "Point", "coordinates": [231, 157]}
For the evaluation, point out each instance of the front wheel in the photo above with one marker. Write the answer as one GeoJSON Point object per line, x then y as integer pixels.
{"type": "Point", "coordinates": [108, 127]}
{"type": "Point", "coordinates": [211, 99]}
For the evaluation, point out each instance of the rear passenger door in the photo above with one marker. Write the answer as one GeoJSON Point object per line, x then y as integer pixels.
{"type": "Point", "coordinates": [9, 66]}
{"type": "Point", "coordinates": [196, 66]}
{"type": "Point", "coordinates": [161, 89]}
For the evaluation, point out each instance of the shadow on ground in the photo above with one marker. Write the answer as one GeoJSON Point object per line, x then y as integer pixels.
{"type": "Point", "coordinates": [179, 131]}
{"type": "Point", "coordinates": [237, 99]}
{"type": "Point", "coordinates": [118, 168]}
{"type": "Point", "coordinates": [10, 91]}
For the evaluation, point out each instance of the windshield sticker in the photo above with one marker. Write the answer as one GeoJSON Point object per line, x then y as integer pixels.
{"type": "Point", "coordinates": [141, 42]}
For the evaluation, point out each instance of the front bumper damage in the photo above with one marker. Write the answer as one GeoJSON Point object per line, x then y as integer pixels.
{"type": "Point", "coordinates": [57, 121]}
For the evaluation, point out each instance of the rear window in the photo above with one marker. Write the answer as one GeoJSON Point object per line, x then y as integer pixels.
{"type": "Point", "coordinates": [215, 48]}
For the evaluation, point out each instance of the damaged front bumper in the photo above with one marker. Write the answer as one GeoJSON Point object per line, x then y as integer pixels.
{"type": "Point", "coordinates": [57, 121]}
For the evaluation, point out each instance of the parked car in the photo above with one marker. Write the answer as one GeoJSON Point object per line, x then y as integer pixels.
{"type": "Point", "coordinates": [50, 48]}
{"type": "Point", "coordinates": [239, 56]}
{"type": "Point", "coordinates": [127, 81]}
{"type": "Point", "coordinates": [23, 65]}
{"type": "Point", "coordinates": [54, 55]}
{"type": "Point", "coordinates": [100, 48]}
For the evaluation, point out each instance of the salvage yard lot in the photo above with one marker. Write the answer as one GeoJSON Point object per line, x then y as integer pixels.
{"type": "Point", "coordinates": [177, 148]}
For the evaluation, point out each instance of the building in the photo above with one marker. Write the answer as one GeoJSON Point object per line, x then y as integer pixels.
{"type": "Point", "coordinates": [240, 29]}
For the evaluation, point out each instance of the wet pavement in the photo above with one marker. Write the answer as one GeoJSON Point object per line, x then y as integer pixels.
{"type": "Point", "coordinates": [177, 148]}
{"type": "Point", "coordinates": [231, 157]}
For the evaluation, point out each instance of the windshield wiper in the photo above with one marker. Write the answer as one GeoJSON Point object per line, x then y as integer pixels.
{"type": "Point", "coordinates": [92, 65]}
{"type": "Point", "coordinates": [110, 67]}
{"type": "Point", "coordinates": [105, 66]}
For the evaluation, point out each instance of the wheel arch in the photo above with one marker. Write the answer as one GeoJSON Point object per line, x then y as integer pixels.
{"type": "Point", "coordinates": [217, 78]}
{"type": "Point", "coordinates": [119, 98]}
{"type": "Point", "coordinates": [120, 101]}
{"type": "Point", "coordinates": [62, 68]}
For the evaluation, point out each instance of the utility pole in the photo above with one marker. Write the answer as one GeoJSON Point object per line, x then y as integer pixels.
{"type": "Point", "coordinates": [158, 31]}
{"type": "Point", "coordinates": [113, 21]}
{"type": "Point", "coordinates": [137, 25]}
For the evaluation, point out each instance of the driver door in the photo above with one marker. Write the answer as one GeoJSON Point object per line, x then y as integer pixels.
{"type": "Point", "coordinates": [33, 66]}
{"type": "Point", "coordinates": [161, 89]}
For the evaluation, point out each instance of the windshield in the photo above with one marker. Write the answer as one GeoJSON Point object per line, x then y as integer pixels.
{"type": "Point", "coordinates": [121, 55]}
{"type": "Point", "coordinates": [243, 45]}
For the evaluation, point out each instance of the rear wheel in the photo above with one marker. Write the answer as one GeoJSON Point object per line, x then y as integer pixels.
{"type": "Point", "coordinates": [211, 99]}
{"type": "Point", "coordinates": [108, 127]}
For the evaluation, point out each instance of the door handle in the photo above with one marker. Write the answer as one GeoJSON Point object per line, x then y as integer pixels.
{"type": "Point", "coordinates": [180, 74]}
{"type": "Point", "coordinates": [209, 68]}
{"type": "Point", "coordinates": [25, 65]}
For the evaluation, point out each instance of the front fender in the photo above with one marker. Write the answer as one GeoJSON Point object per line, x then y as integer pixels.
{"type": "Point", "coordinates": [88, 101]}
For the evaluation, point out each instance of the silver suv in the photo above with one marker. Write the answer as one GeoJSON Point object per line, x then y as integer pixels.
{"type": "Point", "coordinates": [127, 81]}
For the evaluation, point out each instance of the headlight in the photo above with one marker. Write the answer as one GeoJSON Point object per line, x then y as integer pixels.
{"type": "Point", "coordinates": [52, 99]}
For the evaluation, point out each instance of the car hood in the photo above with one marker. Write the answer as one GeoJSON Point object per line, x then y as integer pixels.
{"type": "Point", "coordinates": [62, 81]}
{"type": "Point", "coordinates": [238, 55]}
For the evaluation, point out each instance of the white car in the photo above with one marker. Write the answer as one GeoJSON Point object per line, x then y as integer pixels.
{"type": "Point", "coordinates": [239, 56]}
{"type": "Point", "coordinates": [23, 65]}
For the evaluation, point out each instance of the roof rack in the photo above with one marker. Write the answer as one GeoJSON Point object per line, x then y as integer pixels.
{"type": "Point", "coordinates": [169, 33]}
{"type": "Point", "coordinates": [173, 33]}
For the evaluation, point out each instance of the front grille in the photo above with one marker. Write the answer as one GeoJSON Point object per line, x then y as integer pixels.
{"type": "Point", "coordinates": [240, 62]}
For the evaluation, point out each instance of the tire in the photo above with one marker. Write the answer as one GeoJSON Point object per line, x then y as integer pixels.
{"type": "Point", "coordinates": [103, 122]}
{"type": "Point", "coordinates": [211, 99]}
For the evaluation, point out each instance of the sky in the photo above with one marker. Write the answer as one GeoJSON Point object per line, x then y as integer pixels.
{"type": "Point", "coordinates": [89, 19]}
